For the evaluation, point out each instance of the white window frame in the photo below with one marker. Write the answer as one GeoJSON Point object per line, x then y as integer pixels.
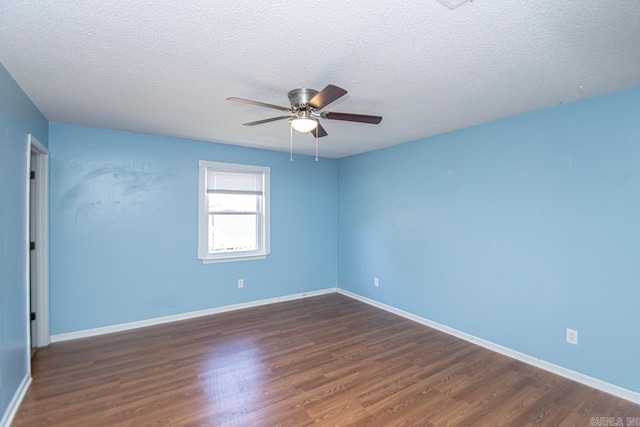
{"type": "Point", "coordinates": [264, 247]}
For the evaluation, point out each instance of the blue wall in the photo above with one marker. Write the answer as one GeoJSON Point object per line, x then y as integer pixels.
{"type": "Point", "coordinates": [18, 117]}
{"type": "Point", "coordinates": [511, 231]}
{"type": "Point", "coordinates": [124, 228]}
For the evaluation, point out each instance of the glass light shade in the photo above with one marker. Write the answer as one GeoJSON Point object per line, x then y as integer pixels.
{"type": "Point", "coordinates": [304, 125]}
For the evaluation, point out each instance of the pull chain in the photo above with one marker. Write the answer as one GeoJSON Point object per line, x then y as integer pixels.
{"type": "Point", "coordinates": [291, 144]}
{"type": "Point", "coordinates": [317, 143]}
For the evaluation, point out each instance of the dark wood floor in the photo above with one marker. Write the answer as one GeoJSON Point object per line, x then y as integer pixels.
{"type": "Point", "coordinates": [327, 360]}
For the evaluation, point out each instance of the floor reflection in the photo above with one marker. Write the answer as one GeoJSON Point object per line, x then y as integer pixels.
{"type": "Point", "coordinates": [229, 374]}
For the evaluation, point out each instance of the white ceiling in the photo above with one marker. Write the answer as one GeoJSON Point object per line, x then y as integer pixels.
{"type": "Point", "coordinates": [166, 67]}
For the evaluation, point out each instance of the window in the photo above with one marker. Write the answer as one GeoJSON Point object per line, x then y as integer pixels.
{"type": "Point", "coordinates": [233, 212]}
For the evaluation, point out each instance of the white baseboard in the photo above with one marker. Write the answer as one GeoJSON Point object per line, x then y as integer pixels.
{"type": "Point", "coordinates": [12, 409]}
{"type": "Point", "coordinates": [183, 316]}
{"type": "Point", "coordinates": [604, 386]}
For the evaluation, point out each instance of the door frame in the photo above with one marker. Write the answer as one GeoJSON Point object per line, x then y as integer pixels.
{"type": "Point", "coordinates": [41, 226]}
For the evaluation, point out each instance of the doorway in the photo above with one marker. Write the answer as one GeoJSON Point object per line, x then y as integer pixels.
{"type": "Point", "coordinates": [38, 244]}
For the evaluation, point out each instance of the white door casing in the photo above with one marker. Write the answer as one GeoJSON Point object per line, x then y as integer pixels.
{"type": "Point", "coordinates": [38, 230]}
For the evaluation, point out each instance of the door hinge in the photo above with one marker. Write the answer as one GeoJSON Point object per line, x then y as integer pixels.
{"type": "Point", "coordinates": [33, 316]}
{"type": "Point", "coordinates": [32, 246]}
{"type": "Point", "coordinates": [33, 174]}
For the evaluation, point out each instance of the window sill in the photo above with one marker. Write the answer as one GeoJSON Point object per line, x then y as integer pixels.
{"type": "Point", "coordinates": [232, 259]}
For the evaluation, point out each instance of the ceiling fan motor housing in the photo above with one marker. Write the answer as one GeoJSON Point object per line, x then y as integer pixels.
{"type": "Point", "coordinates": [300, 98]}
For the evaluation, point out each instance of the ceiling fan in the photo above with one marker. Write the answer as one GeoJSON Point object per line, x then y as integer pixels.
{"type": "Point", "coordinates": [304, 111]}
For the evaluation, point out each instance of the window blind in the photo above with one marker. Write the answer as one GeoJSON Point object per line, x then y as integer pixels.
{"type": "Point", "coordinates": [235, 183]}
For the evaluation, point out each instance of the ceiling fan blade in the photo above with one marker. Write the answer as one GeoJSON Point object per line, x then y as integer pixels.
{"type": "Point", "coordinates": [321, 132]}
{"type": "Point", "coordinates": [259, 122]}
{"type": "Point", "coordinates": [259, 104]}
{"type": "Point", "coordinates": [327, 96]}
{"type": "Point", "coordinates": [360, 118]}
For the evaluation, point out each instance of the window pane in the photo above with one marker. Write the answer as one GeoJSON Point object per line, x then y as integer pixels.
{"type": "Point", "coordinates": [233, 202]}
{"type": "Point", "coordinates": [232, 233]}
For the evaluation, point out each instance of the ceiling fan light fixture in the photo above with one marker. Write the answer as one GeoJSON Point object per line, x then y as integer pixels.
{"type": "Point", "coordinates": [303, 124]}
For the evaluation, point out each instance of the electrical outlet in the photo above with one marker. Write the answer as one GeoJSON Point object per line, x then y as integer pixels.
{"type": "Point", "coordinates": [241, 283]}
{"type": "Point", "coordinates": [376, 281]}
{"type": "Point", "coordinates": [572, 336]}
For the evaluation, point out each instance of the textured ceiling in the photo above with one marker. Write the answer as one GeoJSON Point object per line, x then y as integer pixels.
{"type": "Point", "coordinates": [166, 67]}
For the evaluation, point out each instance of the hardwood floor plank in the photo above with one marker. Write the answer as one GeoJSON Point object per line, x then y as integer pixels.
{"type": "Point", "coordinates": [327, 360]}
